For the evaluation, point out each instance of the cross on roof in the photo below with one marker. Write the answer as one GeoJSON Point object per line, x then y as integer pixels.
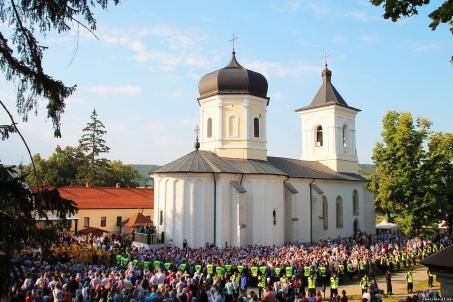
{"type": "Point", "coordinates": [325, 58]}
{"type": "Point", "coordinates": [196, 130]}
{"type": "Point", "coordinates": [233, 39]}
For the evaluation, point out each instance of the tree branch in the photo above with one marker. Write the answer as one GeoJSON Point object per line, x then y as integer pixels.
{"type": "Point", "coordinates": [14, 124]}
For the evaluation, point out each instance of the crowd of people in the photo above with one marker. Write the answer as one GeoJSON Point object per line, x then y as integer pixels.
{"type": "Point", "coordinates": [83, 268]}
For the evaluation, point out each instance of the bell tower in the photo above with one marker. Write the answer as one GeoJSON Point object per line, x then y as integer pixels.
{"type": "Point", "coordinates": [233, 104]}
{"type": "Point", "coordinates": [328, 129]}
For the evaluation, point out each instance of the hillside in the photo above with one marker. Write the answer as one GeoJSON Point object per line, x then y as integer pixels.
{"type": "Point", "coordinates": [366, 170]}
{"type": "Point", "coordinates": [144, 171]}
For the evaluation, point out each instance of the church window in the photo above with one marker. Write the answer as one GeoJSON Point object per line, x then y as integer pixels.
{"type": "Point", "coordinates": [161, 217]}
{"type": "Point", "coordinates": [209, 128]}
{"type": "Point", "coordinates": [345, 138]}
{"type": "Point", "coordinates": [325, 213]}
{"type": "Point", "coordinates": [274, 217]}
{"type": "Point", "coordinates": [233, 126]}
{"type": "Point", "coordinates": [339, 212]}
{"type": "Point", "coordinates": [355, 203]}
{"type": "Point", "coordinates": [256, 127]}
{"type": "Point", "coordinates": [319, 139]}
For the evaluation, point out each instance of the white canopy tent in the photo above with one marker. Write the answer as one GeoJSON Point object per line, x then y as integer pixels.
{"type": "Point", "coordinates": [384, 225]}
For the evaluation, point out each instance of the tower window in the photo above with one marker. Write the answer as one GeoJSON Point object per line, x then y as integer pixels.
{"type": "Point", "coordinates": [319, 140]}
{"type": "Point", "coordinates": [274, 217]}
{"type": "Point", "coordinates": [161, 217]}
{"type": "Point", "coordinates": [345, 133]}
{"type": "Point", "coordinates": [256, 127]}
{"type": "Point", "coordinates": [209, 128]}
{"type": "Point", "coordinates": [339, 212]}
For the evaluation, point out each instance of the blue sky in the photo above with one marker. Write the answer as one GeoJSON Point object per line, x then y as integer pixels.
{"type": "Point", "coordinates": [142, 75]}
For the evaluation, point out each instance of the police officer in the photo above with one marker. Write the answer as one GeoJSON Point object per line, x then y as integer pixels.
{"type": "Point", "coordinates": [334, 281]}
{"type": "Point", "coordinates": [364, 284]}
{"type": "Point", "coordinates": [388, 280]}
{"type": "Point", "coordinates": [350, 269]}
{"type": "Point", "coordinates": [323, 275]}
{"type": "Point", "coordinates": [410, 281]}
{"type": "Point", "coordinates": [341, 272]}
{"type": "Point", "coordinates": [311, 284]}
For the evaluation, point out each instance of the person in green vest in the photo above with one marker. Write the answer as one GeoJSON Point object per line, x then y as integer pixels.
{"type": "Point", "coordinates": [254, 270]}
{"type": "Point", "coordinates": [362, 268]}
{"type": "Point", "coordinates": [410, 281]}
{"type": "Point", "coordinates": [350, 269]}
{"type": "Point", "coordinates": [277, 272]}
{"type": "Point", "coordinates": [364, 283]}
{"type": "Point", "coordinates": [228, 268]}
{"type": "Point", "coordinates": [334, 282]}
{"type": "Point", "coordinates": [261, 285]}
{"type": "Point", "coordinates": [323, 276]}
{"type": "Point", "coordinates": [289, 272]}
{"type": "Point", "coordinates": [307, 272]}
{"type": "Point", "coordinates": [167, 265]}
{"type": "Point", "coordinates": [341, 272]}
{"type": "Point", "coordinates": [210, 269]}
{"type": "Point", "coordinates": [311, 284]}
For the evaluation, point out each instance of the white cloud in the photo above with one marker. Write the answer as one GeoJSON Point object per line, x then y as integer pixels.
{"type": "Point", "coordinates": [313, 6]}
{"type": "Point", "coordinates": [362, 16]}
{"type": "Point", "coordinates": [368, 38]}
{"type": "Point", "coordinates": [104, 90]}
{"type": "Point", "coordinates": [272, 68]}
{"type": "Point", "coordinates": [427, 46]}
{"type": "Point", "coordinates": [163, 47]}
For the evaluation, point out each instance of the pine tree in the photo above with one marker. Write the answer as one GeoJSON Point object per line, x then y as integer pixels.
{"type": "Point", "coordinates": [93, 145]}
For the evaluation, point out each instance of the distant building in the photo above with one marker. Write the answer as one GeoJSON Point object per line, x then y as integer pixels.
{"type": "Point", "coordinates": [441, 265]}
{"type": "Point", "coordinates": [106, 208]}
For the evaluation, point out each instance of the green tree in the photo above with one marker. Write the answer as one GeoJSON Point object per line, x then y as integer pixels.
{"type": "Point", "coordinates": [93, 145]}
{"type": "Point", "coordinates": [439, 175]}
{"type": "Point", "coordinates": [125, 175]}
{"type": "Point", "coordinates": [397, 183]}
{"type": "Point", "coordinates": [21, 59]}
{"type": "Point", "coordinates": [60, 169]}
{"type": "Point", "coordinates": [396, 9]}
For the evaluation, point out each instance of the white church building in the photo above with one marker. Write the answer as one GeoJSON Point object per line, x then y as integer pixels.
{"type": "Point", "coordinates": [229, 191]}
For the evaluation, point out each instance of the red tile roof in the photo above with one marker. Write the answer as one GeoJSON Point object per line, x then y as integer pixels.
{"type": "Point", "coordinates": [109, 198]}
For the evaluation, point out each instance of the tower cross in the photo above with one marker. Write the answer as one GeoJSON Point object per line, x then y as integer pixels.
{"type": "Point", "coordinates": [233, 40]}
{"type": "Point", "coordinates": [197, 143]}
{"type": "Point", "coordinates": [325, 58]}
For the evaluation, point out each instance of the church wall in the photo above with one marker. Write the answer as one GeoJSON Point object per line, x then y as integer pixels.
{"type": "Point", "coordinates": [187, 204]}
{"type": "Point", "coordinates": [332, 189]}
{"type": "Point", "coordinates": [264, 195]}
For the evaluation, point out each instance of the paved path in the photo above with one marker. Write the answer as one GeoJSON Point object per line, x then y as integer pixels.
{"type": "Point", "coordinates": [399, 285]}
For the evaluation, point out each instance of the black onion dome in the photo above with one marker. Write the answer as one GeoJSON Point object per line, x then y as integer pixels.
{"type": "Point", "coordinates": [233, 79]}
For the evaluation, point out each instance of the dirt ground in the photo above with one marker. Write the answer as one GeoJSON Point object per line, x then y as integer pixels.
{"type": "Point", "coordinates": [399, 285]}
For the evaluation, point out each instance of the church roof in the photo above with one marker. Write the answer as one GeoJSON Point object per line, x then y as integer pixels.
{"type": "Point", "coordinates": [233, 79]}
{"type": "Point", "coordinates": [327, 95]}
{"type": "Point", "coordinates": [207, 162]}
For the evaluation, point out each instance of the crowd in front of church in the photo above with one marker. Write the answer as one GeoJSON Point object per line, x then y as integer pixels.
{"type": "Point", "coordinates": [84, 269]}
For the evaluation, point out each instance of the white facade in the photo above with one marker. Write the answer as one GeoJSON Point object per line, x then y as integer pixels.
{"type": "Point", "coordinates": [267, 213]}
{"type": "Point", "coordinates": [337, 147]}
{"type": "Point", "coordinates": [234, 126]}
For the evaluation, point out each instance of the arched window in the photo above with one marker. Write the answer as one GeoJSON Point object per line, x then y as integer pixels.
{"type": "Point", "coordinates": [233, 126]}
{"type": "Point", "coordinates": [256, 127]}
{"type": "Point", "coordinates": [274, 216]}
{"type": "Point", "coordinates": [319, 136]}
{"type": "Point", "coordinates": [355, 203]}
{"type": "Point", "coordinates": [339, 212]}
{"type": "Point", "coordinates": [209, 128]}
{"type": "Point", "coordinates": [345, 136]}
{"type": "Point", "coordinates": [325, 213]}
